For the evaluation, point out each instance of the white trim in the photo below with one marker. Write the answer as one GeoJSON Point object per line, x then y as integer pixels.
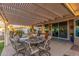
{"type": "Point", "coordinates": [74, 29]}
{"type": "Point", "coordinates": [58, 30]}
{"type": "Point", "coordinates": [60, 38]}
{"type": "Point", "coordinates": [51, 30]}
{"type": "Point", "coordinates": [55, 37]}
{"type": "Point", "coordinates": [68, 33]}
{"type": "Point", "coordinates": [63, 38]}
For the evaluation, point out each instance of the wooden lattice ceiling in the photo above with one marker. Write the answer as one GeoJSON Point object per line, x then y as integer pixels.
{"type": "Point", "coordinates": [29, 14]}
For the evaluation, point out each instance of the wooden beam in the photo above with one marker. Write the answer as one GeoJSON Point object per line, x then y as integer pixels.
{"type": "Point", "coordinates": [65, 19]}
{"type": "Point", "coordinates": [52, 11]}
{"type": "Point", "coordinates": [34, 19]}
{"type": "Point", "coordinates": [25, 16]}
{"type": "Point", "coordinates": [69, 7]}
{"type": "Point", "coordinates": [26, 11]}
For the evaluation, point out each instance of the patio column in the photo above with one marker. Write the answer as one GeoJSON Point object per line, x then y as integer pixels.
{"type": "Point", "coordinates": [6, 35]}
{"type": "Point", "coordinates": [50, 28]}
{"type": "Point", "coordinates": [43, 30]}
{"type": "Point", "coordinates": [32, 28]}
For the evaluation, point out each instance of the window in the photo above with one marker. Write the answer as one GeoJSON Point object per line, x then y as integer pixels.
{"type": "Point", "coordinates": [77, 28]}
{"type": "Point", "coordinates": [63, 29]}
{"type": "Point", "coordinates": [59, 30]}
{"type": "Point", "coordinates": [55, 30]}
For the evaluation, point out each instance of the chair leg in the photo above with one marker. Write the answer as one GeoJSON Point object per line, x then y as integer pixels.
{"type": "Point", "coordinates": [44, 53]}
{"type": "Point", "coordinates": [16, 54]}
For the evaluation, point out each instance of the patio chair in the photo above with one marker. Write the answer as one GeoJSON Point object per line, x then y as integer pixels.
{"type": "Point", "coordinates": [19, 47]}
{"type": "Point", "coordinates": [44, 48]}
{"type": "Point", "coordinates": [33, 50]}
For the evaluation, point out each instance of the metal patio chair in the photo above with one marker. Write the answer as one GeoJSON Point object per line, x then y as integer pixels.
{"type": "Point", "coordinates": [33, 50]}
{"type": "Point", "coordinates": [45, 48]}
{"type": "Point", "coordinates": [19, 47]}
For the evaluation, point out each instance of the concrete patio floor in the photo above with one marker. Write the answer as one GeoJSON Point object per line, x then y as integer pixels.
{"type": "Point", "coordinates": [58, 48]}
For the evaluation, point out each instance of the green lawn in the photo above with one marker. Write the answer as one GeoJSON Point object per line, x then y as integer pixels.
{"type": "Point", "coordinates": [1, 46]}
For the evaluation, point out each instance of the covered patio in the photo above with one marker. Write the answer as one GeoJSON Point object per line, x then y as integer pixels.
{"type": "Point", "coordinates": [55, 21]}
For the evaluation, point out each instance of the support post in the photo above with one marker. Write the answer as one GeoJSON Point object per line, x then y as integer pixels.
{"type": "Point", "coordinates": [43, 30]}
{"type": "Point", "coordinates": [6, 35]}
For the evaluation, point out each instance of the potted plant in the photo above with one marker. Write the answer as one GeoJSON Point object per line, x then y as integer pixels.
{"type": "Point", "coordinates": [72, 37]}
{"type": "Point", "coordinates": [19, 32]}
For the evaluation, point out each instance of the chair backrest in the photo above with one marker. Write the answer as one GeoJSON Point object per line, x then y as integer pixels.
{"type": "Point", "coordinates": [15, 43]}
{"type": "Point", "coordinates": [47, 41]}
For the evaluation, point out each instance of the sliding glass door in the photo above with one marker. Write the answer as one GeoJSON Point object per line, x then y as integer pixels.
{"type": "Point", "coordinates": [63, 29]}
{"type": "Point", "coordinates": [59, 30]}
{"type": "Point", "coordinates": [55, 30]}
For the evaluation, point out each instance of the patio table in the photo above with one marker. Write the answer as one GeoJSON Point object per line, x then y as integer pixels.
{"type": "Point", "coordinates": [36, 40]}
{"type": "Point", "coordinates": [23, 39]}
{"type": "Point", "coordinates": [32, 45]}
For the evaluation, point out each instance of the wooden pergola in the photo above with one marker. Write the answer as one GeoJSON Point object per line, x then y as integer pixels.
{"type": "Point", "coordinates": [34, 14]}
{"type": "Point", "coordinates": [31, 14]}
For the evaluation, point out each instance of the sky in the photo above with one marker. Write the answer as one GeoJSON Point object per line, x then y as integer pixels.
{"type": "Point", "coordinates": [1, 24]}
